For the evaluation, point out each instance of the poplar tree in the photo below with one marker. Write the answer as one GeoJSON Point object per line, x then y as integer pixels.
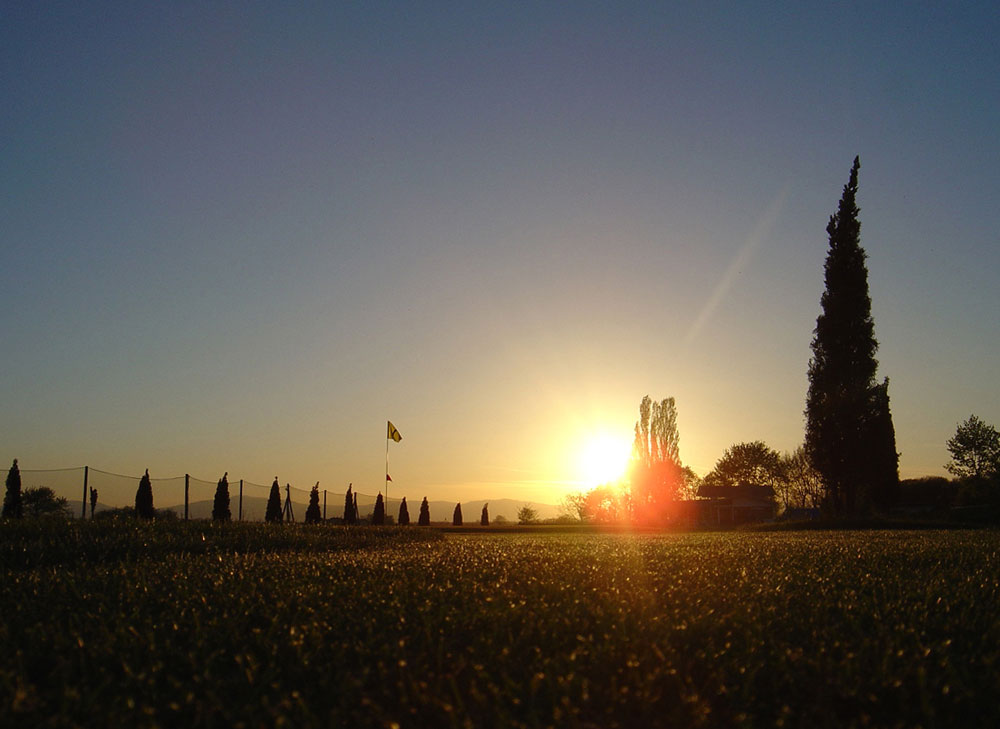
{"type": "Point", "coordinates": [484, 519]}
{"type": "Point", "coordinates": [220, 507]}
{"type": "Point", "coordinates": [378, 515]}
{"type": "Point", "coordinates": [424, 519]}
{"type": "Point", "coordinates": [273, 512]}
{"type": "Point", "coordinates": [144, 498]}
{"type": "Point", "coordinates": [850, 439]}
{"type": "Point", "coordinates": [13, 505]}
{"type": "Point", "coordinates": [313, 513]}
{"type": "Point", "coordinates": [404, 513]}
{"type": "Point", "coordinates": [456, 517]}
{"type": "Point", "coordinates": [656, 475]}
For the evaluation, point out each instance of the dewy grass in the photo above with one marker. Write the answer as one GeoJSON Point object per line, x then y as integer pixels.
{"type": "Point", "coordinates": [739, 629]}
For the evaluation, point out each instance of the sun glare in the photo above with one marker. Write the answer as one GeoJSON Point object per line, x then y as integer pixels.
{"type": "Point", "coordinates": [603, 458]}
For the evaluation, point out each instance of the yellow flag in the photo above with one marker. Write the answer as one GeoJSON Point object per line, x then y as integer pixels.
{"type": "Point", "coordinates": [393, 433]}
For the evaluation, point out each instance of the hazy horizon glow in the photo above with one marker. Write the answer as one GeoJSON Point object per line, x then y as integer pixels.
{"type": "Point", "coordinates": [241, 238]}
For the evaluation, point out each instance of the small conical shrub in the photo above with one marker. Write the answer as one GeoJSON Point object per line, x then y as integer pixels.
{"type": "Point", "coordinates": [220, 507]}
{"type": "Point", "coordinates": [273, 513]}
{"type": "Point", "coordinates": [144, 498]}
{"type": "Point", "coordinates": [313, 514]}
{"type": "Point", "coordinates": [425, 514]}
{"type": "Point", "coordinates": [456, 517]}
{"type": "Point", "coordinates": [378, 516]}
{"type": "Point", "coordinates": [484, 520]}
{"type": "Point", "coordinates": [404, 513]}
{"type": "Point", "coordinates": [349, 517]}
{"type": "Point", "coordinates": [13, 507]}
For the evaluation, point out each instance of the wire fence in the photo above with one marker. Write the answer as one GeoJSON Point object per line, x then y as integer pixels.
{"type": "Point", "coordinates": [187, 496]}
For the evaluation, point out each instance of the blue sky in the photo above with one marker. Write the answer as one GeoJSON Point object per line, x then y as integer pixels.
{"type": "Point", "coordinates": [242, 237]}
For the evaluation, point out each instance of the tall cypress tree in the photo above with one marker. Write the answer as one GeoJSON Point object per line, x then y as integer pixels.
{"type": "Point", "coordinates": [349, 506]}
{"type": "Point", "coordinates": [220, 507]}
{"type": "Point", "coordinates": [884, 459]}
{"type": "Point", "coordinates": [144, 498]}
{"type": "Point", "coordinates": [404, 513]}
{"type": "Point", "coordinates": [378, 515]}
{"type": "Point", "coordinates": [425, 514]}
{"type": "Point", "coordinates": [848, 424]}
{"type": "Point", "coordinates": [313, 513]}
{"type": "Point", "coordinates": [456, 517]}
{"type": "Point", "coordinates": [484, 518]}
{"type": "Point", "coordinates": [273, 513]}
{"type": "Point", "coordinates": [13, 504]}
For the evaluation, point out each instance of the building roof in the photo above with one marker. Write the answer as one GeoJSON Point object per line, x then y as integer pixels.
{"type": "Point", "coordinates": [743, 492]}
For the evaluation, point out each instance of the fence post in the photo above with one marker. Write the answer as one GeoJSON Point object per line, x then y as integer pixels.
{"type": "Point", "coordinates": [324, 504]}
{"type": "Point", "coordinates": [240, 518]}
{"type": "Point", "coordinates": [86, 474]}
{"type": "Point", "coordinates": [187, 487]}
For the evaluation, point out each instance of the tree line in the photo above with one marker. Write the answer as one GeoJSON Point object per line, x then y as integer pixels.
{"type": "Point", "coordinates": [42, 501]}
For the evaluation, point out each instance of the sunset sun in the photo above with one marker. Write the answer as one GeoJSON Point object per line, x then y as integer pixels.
{"type": "Point", "coordinates": [603, 458]}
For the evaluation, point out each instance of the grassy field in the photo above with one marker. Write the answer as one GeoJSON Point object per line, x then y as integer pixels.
{"type": "Point", "coordinates": [248, 625]}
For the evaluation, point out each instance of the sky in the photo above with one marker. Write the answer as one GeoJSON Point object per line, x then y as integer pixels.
{"type": "Point", "coordinates": [242, 236]}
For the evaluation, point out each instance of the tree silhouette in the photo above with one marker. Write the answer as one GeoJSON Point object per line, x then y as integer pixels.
{"type": "Point", "coordinates": [42, 501]}
{"type": "Point", "coordinates": [220, 507]}
{"type": "Point", "coordinates": [424, 519]}
{"type": "Point", "coordinates": [456, 516]}
{"type": "Point", "coordinates": [13, 507]}
{"type": "Point", "coordinates": [349, 515]}
{"type": "Point", "coordinates": [975, 450]}
{"type": "Point", "coordinates": [800, 486]}
{"type": "Point", "coordinates": [357, 515]}
{"type": "Point", "coordinates": [882, 455]}
{"type": "Point", "coordinates": [746, 463]}
{"type": "Point", "coordinates": [378, 516]}
{"type": "Point", "coordinates": [527, 515]}
{"type": "Point", "coordinates": [404, 513]}
{"type": "Point", "coordinates": [273, 512]}
{"type": "Point", "coordinates": [484, 519]}
{"type": "Point", "coordinates": [313, 513]}
{"type": "Point", "coordinates": [656, 473]}
{"type": "Point", "coordinates": [849, 436]}
{"type": "Point", "coordinates": [144, 498]}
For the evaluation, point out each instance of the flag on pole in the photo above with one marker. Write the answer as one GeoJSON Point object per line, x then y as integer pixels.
{"type": "Point", "coordinates": [388, 477]}
{"type": "Point", "coordinates": [393, 433]}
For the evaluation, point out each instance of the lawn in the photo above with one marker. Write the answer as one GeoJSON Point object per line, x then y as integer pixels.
{"type": "Point", "coordinates": [249, 625]}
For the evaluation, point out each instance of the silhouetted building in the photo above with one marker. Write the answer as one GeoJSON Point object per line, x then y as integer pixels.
{"type": "Point", "coordinates": [741, 504]}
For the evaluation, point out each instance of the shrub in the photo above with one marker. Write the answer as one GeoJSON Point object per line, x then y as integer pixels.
{"type": "Point", "coordinates": [378, 516]}
{"type": "Point", "coordinates": [144, 498]}
{"type": "Point", "coordinates": [350, 510]}
{"type": "Point", "coordinates": [12, 506]}
{"type": "Point", "coordinates": [313, 513]}
{"type": "Point", "coordinates": [220, 507]}
{"type": "Point", "coordinates": [273, 512]}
